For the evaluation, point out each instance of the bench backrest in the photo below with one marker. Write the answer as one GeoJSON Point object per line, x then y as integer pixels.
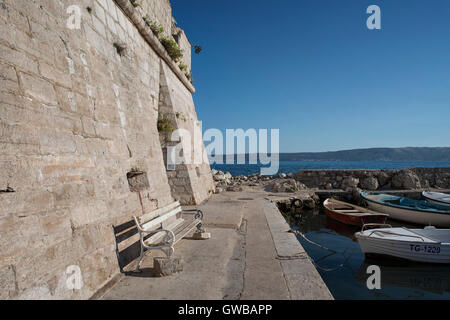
{"type": "Point", "coordinates": [154, 219]}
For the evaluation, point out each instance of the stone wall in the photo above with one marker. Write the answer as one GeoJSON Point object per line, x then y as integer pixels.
{"type": "Point", "coordinates": [415, 178]}
{"type": "Point", "coordinates": [160, 11]}
{"type": "Point", "coordinates": [191, 182]}
{"type": "Point", "coordinates": [77, 116]}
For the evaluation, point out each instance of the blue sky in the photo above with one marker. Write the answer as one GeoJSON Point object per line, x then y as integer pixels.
{"type": "Point", "coordinates": [312, 69]}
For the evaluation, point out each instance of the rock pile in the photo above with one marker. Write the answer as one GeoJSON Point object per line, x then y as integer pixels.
{"type": "Point", "coordinates": [286, 185]}
{"type": "Point", "coordinates": [346, 180]}
{"type": "Point", "coordinates": [280, 183]}
{"type": "Point", "coordinates": [371, 180]}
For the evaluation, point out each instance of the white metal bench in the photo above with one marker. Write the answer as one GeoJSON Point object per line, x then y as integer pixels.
{"type": "Point", "coordinates": [161, 229]}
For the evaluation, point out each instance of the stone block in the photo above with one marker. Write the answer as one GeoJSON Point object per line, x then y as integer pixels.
{"type": "Point", "coordinates": [55, 75]}
{"type": "Point", "coordinates": [39, 89]}
{"type": "Point", "coordinates": [163, 266]}
{"type": "Point", "coordinates": [201, 235]}
{"type": "Point", "coordinates": [55, 226]}
{"type": "Point", "coordinates": [7, 73]}
{"type": "Point", "coordinates": [19, 59]}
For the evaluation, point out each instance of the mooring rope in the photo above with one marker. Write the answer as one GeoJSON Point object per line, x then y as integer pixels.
{"type": "Point", "coordinates": [310, 241]}
{"type": "Point", "coordinates": [320, 246]}
{"type": "Point", "coordinates": [327, 270]}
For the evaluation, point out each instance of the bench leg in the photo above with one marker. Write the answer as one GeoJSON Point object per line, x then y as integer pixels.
{"type": "Point", "coordinates": [169, 251]}
{"type": "Point", "coordinates": [141, 257]}
{"type": "Point", "coordinates": [200, 233]}
{"type": "Point", "coordinates": [200, 228]}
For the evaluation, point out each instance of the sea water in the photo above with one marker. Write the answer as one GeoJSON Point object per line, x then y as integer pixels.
{"type": "Point", "coordinates": [341, 263]}
{"type": "Point", "coordinates": [295, 166]}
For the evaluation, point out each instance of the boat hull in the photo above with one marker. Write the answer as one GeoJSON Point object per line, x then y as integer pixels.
{"type": "Point", "coordinates": [354, 220]}
{"type": "Point", "coordinates": [403, 250]}
{"type": "Point", "coordinates": [412, 216]}
{"type": "Point", "coordinates": [437, 198]}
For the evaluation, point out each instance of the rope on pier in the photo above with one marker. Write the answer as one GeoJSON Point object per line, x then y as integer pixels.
{"type": "Point", "coordinates": [320, 246]}
{"type": "Point", "coordinates": [327, 270]}
{"type": "Point", "coordinates": [312, 242]}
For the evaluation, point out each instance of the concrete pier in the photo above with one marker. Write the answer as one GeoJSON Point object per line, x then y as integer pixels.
{"type": "Point", "coordinates": [251, 255]}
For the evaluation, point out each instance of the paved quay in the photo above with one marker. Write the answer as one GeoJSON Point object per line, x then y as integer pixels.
{"type": "Point", "coordinates": [251, 255]}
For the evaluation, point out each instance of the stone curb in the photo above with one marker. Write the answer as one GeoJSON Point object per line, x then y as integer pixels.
{"type": "Point", "coordinates": [302, 279]}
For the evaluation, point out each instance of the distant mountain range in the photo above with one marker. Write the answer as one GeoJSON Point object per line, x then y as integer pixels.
{"type": "Point", "coordinates": [372, 154]}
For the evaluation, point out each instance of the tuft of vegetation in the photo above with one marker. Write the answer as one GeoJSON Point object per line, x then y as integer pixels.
{"type": "Point", "coordinates": [136, 3]}
{"type": "Point", "coordinates": [172, 48]}
{"type": "Point", "coordinates": [189, 77]}
{"type": "Point", "coordinates": [183, 67]}
{"type": "Point", "coordinates": [89, 9]}
{"type": "Point", "coordinates": [165, 125]}
{"type": "Point", "coordinates": [157, 29]}
{"type": "Point", "coordinates": [147, 20]}
{"type": "Point", "coordinates": [180, 115]}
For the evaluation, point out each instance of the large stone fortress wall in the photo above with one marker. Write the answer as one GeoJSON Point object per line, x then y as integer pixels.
{"type": "Point", "coordinates": [76, 118]}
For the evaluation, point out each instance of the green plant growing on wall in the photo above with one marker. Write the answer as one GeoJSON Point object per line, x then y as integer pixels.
{"type": "Point", "coordinates": [173, 49]}
{"type": "Point", "coordinates": [183, 67]}
{"type": "Point", "coordinates": [157, 29]}
{"type": "Point", "coordinates": [180, 115]}
{"type": "Point", "coordinates": [147, 20]}
{"type": "Point", "coordinates": [136, 3]}
{"type": "Point", "coordinates": [165, 125]}
{"type": "Point", "coordinates": [189, 76]}
{"type": "Point", "coordinates": [89, 9]}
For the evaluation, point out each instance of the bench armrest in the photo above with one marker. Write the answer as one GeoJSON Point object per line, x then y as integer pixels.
{"type": "Point", "coordinates": [198, 213]}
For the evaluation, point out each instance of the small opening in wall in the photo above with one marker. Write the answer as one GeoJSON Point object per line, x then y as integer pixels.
{"type": "Point", "coordinates": [8, 190]}
{"type": "Point", "coordinates": [197, 170]}
{"type": "Point", "coordinates": [137, 180]}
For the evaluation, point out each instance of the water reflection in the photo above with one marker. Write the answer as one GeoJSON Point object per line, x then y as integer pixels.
{"type": "Point", "coordinates": [339, 260]}
{"type": "Point", "coordinates": [431, 278]}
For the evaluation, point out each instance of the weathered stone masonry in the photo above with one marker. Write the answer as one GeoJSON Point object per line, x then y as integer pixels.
{"type": "Point", "coordinates": [75, 118]}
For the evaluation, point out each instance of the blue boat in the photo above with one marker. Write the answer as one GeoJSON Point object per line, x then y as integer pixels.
{"type": "Point", "coordinates": [409, 210]}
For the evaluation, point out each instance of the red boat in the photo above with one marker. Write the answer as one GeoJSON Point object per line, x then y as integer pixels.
{"type": "Point", "coordinates": [351, 214]}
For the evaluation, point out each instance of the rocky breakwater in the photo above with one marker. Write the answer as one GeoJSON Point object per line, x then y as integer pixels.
{"type": "Point", "coordinates": [373, 180]}
{"type": "Point", "coordinates": [289, 194]}
{"type": "Point", "coordinates": [282, 183]}
{"type": "Point", "coordinates": [224, 181]}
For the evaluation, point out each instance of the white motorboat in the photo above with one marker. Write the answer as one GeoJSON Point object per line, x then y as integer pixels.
{"type": "Point", "coordinates": [437, 197]}
{"type": "Point", "coordinates": [409, 210]}
{"type": "Point", "coordinates": [428, 245]}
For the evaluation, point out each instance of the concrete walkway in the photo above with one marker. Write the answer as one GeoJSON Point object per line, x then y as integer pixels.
{"type": "Point", "coordinates": [250, 256]}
